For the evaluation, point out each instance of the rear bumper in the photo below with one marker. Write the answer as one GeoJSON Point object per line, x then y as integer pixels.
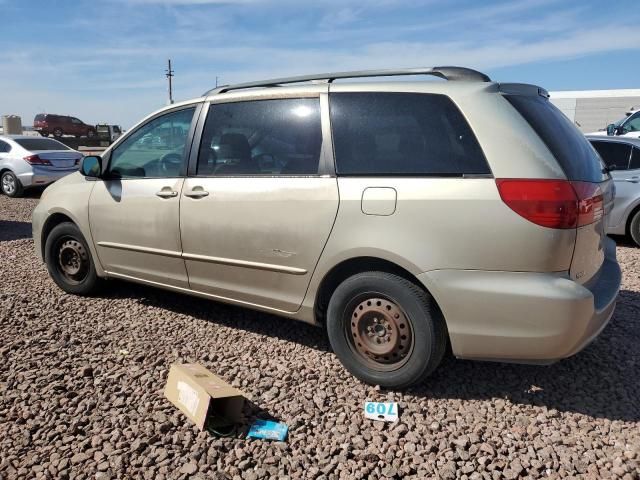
{"type": "Point", "coordinates": [524, 317]}
{"type": "Point", "coordinates": [39, 176]}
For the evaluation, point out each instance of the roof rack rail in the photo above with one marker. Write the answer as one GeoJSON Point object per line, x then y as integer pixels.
{"type": "Point", "coordinates": [448, 73]}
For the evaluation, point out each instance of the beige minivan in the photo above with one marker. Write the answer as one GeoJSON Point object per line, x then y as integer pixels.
{"type": "Point", "coordinates": [400, 216]}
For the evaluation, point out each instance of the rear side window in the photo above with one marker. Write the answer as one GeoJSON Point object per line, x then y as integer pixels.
{"type": "Point", "coordinates": [635, 159]}
{"type": "Point", "coordinates": [35, 144]}
{"type": "Point", "coordinates": [567, 144]}
{"type": "Point", "coordinates": [614, 154]}
{"type": "Point", "coordinates": [4, 147]}
{"type": "Point", "coordinates": [40, 117]}
{"type": "Point", "coordinates": [262, 137]}
{"type": "Point", "coordinates": [403, 134]}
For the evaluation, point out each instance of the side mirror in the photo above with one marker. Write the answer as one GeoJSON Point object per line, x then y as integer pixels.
{"type": "Point", "coordinates": [91, 166]}
{"type": "Point", "coordinates": [611, 129]}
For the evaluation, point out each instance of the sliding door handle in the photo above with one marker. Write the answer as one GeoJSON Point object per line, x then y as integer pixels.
{"type": "Point", "coordinates": [166, 192]}
{"type": "Point", "coordinates": [196, 192]}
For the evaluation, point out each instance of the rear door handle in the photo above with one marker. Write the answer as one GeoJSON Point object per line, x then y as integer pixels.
{"type": "Point", "coordinates": [632, 179]}
{"type": "Point", "coordinates": [196, 192]}
{"type": "Point", "coordinates": [166, 192]}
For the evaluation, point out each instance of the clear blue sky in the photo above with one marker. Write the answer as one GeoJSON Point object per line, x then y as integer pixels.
{"type": "Point", "coordinates": [104, 60]}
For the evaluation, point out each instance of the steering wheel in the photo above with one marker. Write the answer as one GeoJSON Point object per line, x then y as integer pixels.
{"type": "Point", "coordinates": [171, 163]}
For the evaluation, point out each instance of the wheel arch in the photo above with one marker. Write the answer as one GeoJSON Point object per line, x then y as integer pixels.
{"type": "Point", "coordinates": [632, 213]}
{"type": "Point", "coordinates": [50, 223]}
{"type": "Point", "coordinates": [352, 266]}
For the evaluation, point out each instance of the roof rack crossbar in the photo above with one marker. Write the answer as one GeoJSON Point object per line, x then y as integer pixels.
{"type": "Point", "coordinates": [447, 73]}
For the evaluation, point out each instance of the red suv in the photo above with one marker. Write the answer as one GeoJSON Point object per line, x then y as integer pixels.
{"type": "Point", "coordinates": [59, 125]}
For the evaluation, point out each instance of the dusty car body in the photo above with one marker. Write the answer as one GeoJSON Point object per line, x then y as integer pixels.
{"type": "Point", "coordinates": [401, 216]}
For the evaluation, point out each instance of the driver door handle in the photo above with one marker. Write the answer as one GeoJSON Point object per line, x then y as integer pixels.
{"type": "Point", "coordinates": [196, 192]}
{"type": "Point", "coordinates": [167, 193]}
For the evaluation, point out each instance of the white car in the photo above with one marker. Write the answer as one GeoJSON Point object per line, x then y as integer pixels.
{"type": "Point", "coordinates": [622, 155]}
{"type": "Point", "coordinates": [27, 161]}
{"type": "Point", "coordinates": [628, 126]}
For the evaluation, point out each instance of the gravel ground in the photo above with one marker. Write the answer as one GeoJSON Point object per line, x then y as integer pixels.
{"type": "Point", "coordinates": [73, 404]}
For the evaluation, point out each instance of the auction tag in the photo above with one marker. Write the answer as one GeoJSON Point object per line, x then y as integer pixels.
{"type": "Point", "coordinates": [386, 412]}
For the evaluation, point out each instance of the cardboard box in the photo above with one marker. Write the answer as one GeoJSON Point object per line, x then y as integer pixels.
{"type": "Point", "coordinates": [200, 394]}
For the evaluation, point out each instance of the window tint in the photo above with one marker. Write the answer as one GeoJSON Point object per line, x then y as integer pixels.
{"type": "Point", "coordinates": [40, 117]}
{"type": "Point", "coordinates": [154, 150]}
{"type": "Point", "coordinates": [613, 153]}
{"type": "Point", "coordinates": [567, 144]}
{"type": "Point", "coordinates": [34, 144]}
{"type": "Point", "coordinates": [635, 159]}
{"type": "Point", "coordinates": [4, 147]}
{"type": "Point", "coordinates": [402, 134]}
{"type": "Point", "coordinates": [265, 137]}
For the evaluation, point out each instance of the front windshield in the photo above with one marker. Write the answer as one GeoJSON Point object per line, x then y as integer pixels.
{"type": "Point", "coordinates": [635, 116]}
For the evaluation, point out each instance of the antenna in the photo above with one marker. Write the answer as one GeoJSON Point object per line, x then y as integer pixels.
{"type": "Point", "coordinates": [169, 75]}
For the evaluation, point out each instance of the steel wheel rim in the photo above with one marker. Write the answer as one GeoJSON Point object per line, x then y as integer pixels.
{"type": "Point", "coordinates": [8, 184]}
{"type": "Point", "coordinates": [380, 333]}
{"type": "Point", "coordinates": [73, 260]}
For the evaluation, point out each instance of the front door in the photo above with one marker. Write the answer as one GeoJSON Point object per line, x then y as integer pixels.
{"type": "Point", "coordinates": [257, 212]}
{"type": "Point", "coordinates": [617, 156]}
{"type": "Point", "coordinates": [134, 210]}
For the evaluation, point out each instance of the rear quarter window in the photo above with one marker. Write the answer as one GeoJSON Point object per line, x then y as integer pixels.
{"type": "Point", "coordinates": [568, 145]}
{"type": "Point", "coordinates": [403, 134]}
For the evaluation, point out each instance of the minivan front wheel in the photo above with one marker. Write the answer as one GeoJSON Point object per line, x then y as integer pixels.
{"type": "Point", "coordinates": [69, 261]}
{"type": "Point", "coordinates": [386, 330]}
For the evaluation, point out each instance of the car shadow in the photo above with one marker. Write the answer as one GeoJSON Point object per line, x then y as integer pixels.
{"type": "Point", "coordinates": [602, 379]}
{"type": "Point", "coordinates": [623, 241]}
{"type": "Point", "coordinates": [10, 230]}
{"type": "Point", "coordinates": [221, 314]}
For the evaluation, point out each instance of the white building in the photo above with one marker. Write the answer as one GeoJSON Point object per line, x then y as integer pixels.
{"type": "Point", "coordinates": [593, 110]}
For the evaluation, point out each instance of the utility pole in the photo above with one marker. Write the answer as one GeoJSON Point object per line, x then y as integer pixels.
{"type": "Point", "coordinates": [169, 76]}
{"type": "Point", "coordinates": [216, 81]}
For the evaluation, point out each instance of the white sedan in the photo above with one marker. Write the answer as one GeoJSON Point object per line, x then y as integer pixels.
{"type": "Point", "coordinates": [27, 161]}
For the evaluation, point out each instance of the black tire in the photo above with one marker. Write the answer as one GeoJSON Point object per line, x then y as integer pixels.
{"type": "Point", "coordinates": [63, 242]}
{"type": "Point", "coordinates": [10, 185]}
{"type": "Point", "coordinates": [427, 341]}
{"type": "Point", "coordinates": [634, 228]}
{"type": "Point", "coordinates": [57, 132]}
{"type": "Point", "coordinates": [44, 133]}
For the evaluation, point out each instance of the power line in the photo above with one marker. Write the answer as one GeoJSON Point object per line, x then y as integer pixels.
{"type": "Point", "coordinates": [169, 75]}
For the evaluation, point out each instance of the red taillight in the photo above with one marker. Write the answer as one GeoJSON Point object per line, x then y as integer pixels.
{"type": "Point", "coordinates": [36, 160]}
{"type": "Point", "coordinates": [553, 203]}
{"type": "Point", "coordinates": [590, 202]}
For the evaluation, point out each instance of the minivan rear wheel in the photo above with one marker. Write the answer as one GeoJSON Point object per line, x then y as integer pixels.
{"type": "Point", "coordinates": [386, 330]}
{"type": "Point", "coordinates": [69, 260]}
{"type": "Point", "coordinates": [634, 228]}
{"type": "Point", "coordinates": [57, 132]}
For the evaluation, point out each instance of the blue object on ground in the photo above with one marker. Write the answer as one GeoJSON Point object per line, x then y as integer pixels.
{"type": "Point", "coordinates": [269, 430]}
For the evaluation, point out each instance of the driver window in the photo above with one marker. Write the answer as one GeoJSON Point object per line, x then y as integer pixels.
{"type": "Point", "coordinates": [155, 150]}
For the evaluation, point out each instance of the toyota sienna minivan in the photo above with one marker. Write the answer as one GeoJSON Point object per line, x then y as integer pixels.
{"type": "Point", "coordinates": [402, 217]}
